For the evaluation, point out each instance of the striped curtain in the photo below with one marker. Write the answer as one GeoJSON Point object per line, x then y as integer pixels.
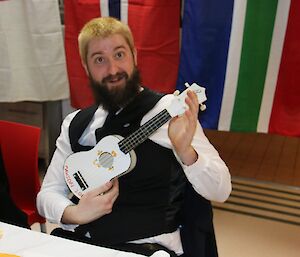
{"type": "Point", "coordinates": [155, 27]}
{"type": "Point", "coordinates": [247, 55]}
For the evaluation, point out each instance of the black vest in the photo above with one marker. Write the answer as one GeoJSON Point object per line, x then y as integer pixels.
{"type": "Point", "coordinates": [151, 196]}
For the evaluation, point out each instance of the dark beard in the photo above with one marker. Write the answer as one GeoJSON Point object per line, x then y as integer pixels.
{"type": "Point", "coordinates": [115, 98]}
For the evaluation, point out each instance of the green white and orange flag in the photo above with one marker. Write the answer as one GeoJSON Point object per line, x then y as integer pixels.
{"type": "Point", "coordinates": [253, 78]}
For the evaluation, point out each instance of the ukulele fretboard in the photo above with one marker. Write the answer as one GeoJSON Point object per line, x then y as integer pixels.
{"type": "Point", "coordinates": [140, 135]}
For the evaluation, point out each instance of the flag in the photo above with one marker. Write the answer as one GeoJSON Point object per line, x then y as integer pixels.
{"type": "Point", "coordinates": [33, 66]}
{"type": "Point", "coordinates": [248, 59]}
{"type": "Point", "coordinates": [206, 29]}
{"type": "Point", "coordinates": [155, 27]}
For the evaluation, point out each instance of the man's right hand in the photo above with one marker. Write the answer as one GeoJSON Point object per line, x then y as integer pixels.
{"type": "Point", "coordinates": [92, 205]}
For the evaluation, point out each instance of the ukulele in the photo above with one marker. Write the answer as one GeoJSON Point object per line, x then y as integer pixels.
{"type": "Point", "coordinates": [113, 156]}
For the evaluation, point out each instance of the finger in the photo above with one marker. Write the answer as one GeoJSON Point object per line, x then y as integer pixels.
{"type": "Point", "coordinates": [113, 193]}
{"type": "Point", "coordinates": [193, 108]}
{"type": "Point", "coordinates": [195, 101]}
{"type": "Point", "coordinates": [193, 96]}
{"type": "Point", "coordinates": [114, 188]}
{"type": "Point", "coordinates": [102, 189]}
{"type": "Point", "coordinates": [115, 184]}
{"type": "Point", "coordinates": [115, 197]}
{"type": "Point", "coordinates": [192, 101]}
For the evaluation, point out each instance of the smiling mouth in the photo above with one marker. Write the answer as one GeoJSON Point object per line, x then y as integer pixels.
{"type": "Point", "coordinates": [115, 78]}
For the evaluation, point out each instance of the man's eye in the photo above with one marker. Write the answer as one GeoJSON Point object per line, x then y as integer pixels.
{"type": "Point", "coordinates": [99, 60]}
{"type": "Point", "coordinates": [119, 54]}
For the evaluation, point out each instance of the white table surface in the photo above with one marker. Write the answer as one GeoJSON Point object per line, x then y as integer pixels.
{"type": "Point", "coordinates": [28, 243]}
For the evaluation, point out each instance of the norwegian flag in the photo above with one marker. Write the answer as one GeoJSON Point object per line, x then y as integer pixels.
{"type": "Point", "coordinates": [155, 27]}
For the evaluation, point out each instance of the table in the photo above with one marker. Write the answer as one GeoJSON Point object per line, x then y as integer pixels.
{"type": "Point", "coordinates": [27, 243]}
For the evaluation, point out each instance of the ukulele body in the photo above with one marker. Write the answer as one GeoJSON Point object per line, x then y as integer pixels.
{"type": "Point", "coordinates": [86, 170]}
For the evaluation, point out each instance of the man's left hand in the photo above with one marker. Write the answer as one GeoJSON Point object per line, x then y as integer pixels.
{"type": "Point", "coordinates": [182, 129]}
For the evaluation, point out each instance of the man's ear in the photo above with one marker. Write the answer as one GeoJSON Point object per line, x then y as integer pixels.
{"type": "Point", "coordinates": [135, 56]}
{"type": "Point", "coordinates": [85, 67]}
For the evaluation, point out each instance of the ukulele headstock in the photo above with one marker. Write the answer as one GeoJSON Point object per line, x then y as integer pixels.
{"type": "Point", "coordinates": [178, 105]}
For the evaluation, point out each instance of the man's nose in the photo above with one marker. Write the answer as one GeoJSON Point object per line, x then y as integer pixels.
{"type": "Point", "coordinates": [113, 67]}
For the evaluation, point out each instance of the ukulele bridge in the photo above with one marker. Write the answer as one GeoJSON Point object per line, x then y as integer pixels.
{"type": "Point", "coordinates": [80, 180]}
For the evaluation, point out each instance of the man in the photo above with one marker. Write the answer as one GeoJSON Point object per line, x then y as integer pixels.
{"type": "Point", "coordinates": [141, 211]}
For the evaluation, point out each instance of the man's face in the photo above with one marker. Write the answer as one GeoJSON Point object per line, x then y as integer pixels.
{"type": "Point", "coordinates": [111, 67]}
{"type": "Point", "coordinates": [110, 61]}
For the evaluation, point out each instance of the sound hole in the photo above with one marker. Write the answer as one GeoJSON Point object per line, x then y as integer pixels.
{"type": "Point", "coordinates": [106, 160]}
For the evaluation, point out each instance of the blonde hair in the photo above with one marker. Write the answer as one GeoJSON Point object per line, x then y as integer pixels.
{"type": "Point", "coordinates": [101, 28]}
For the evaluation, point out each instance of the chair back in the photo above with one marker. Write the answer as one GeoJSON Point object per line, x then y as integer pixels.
{"type": "Point", "coordinates": [19, 148]}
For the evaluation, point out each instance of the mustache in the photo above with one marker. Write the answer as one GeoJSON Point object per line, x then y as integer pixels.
{"type": "Point", "coordinates": [114, 98]}
{"type": "Point", "coordinates": [117, 76]}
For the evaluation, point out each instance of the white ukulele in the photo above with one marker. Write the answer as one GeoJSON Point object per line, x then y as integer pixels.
{"type": "Point", "coordinates": [113, 156]}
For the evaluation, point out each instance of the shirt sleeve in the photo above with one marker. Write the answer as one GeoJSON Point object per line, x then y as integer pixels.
{"type": "Point", "coordinates": [53, 196]}
{"type": "Point", "coordinates": [209, 175]}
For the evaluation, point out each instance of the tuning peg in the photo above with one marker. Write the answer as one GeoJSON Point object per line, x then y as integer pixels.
{"type": "Point", "coordinates": [176, 93]}
{"type": "Point", "coordinates": [202, 107]}
{"type": "Point", "coordinates": [187, 84]}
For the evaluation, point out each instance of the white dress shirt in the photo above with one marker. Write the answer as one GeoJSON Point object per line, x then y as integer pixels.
{"type": "Point", "coordinates": [209, 175]}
